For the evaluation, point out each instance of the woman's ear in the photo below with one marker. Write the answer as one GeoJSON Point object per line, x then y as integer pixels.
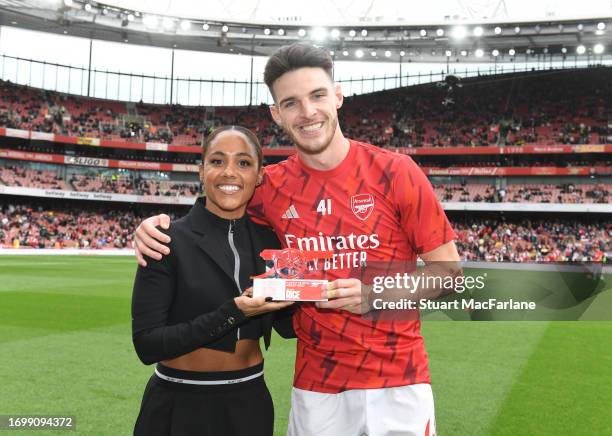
{"type": "Point", "coordinates": [201, 173]}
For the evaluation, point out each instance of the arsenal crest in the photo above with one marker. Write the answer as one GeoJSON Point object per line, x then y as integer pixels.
{"type": "Point", "coordinates": [290, 263]}
{"type": "Point", "coordinates": [362, 205]}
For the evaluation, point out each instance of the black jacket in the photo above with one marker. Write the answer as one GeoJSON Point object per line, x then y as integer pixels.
{"type": "Point", "coordinates": [186, 300]}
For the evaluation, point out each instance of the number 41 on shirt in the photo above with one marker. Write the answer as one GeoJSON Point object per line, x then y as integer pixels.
{"type": "Point", "coordinates": [324, 207]}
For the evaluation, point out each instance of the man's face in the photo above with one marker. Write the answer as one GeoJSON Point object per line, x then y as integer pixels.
{"type": "Point", "coordinates": [307, 104]}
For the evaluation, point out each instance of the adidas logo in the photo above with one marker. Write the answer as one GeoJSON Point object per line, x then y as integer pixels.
{"type": "Point", "coordinates": [291, 213]}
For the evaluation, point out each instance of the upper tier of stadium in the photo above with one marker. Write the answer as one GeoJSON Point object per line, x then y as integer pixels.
{"type": "Point", "coordinates": [513, 109]}
{"type": "Point", "coordinates": [510, 138]}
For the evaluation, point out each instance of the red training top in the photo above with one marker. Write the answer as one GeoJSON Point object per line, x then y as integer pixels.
{"type": "Point", "coordinates": [375, 206]}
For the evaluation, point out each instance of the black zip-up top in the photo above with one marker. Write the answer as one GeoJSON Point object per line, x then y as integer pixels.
{"type": "Point", "coordinates": [186, 300]}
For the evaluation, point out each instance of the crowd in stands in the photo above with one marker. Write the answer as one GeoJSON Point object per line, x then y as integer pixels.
{"type": "Point", "coordinates": [500, 161]}
{"type": "Point", "coordinates": [480, 161]}
{"type": "Point", "coordinates": [535, 240]}
{"type": "Point", "coordinates": [25, 225]}
{"type": "Point", "coordinates": [568, 107]}
{"type": "Point", "coordinates": [22, 176]}
{"type": "Point", "coordinates": [544, 107]}
{"type": "Point", "coordinates": [565, 193]}
{"type": "Point", "coordinates": [16, 175]}
{"type": "Point", "coordinates": [519, 240]}
{"type": "Point", "coordinates": [525, 193]}
{"type": "Point", "coordinates": [547, 107]}
{"type": "Point", "coordinates": [103, 152]}
{"type": "Point", "coordinates": [132, 183]}
{"type": "Point", "coordinates": [439, 161]}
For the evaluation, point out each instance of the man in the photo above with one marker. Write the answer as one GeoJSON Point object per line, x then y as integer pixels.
{"type": "Point", "coordinates": [354, 375]}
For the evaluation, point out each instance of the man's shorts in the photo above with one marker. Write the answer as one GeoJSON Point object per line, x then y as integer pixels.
{"type": "Point", "coordinates": [404, 410]}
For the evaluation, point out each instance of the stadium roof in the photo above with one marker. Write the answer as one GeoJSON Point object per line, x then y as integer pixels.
{"type": "Point", "coordinates": [351, 29]}
{"type": "Point", "coordinates": [374, 12]}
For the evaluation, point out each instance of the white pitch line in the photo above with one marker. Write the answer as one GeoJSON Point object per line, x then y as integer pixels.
{"type": "Point", "coordinates": [33, 263]}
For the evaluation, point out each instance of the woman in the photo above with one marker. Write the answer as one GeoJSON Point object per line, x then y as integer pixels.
{"type": "Point", "coordinates": [190, 314]}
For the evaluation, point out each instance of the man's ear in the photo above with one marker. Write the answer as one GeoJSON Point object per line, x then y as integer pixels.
{"type": "Point", "coordinates": [339, 96]}
{"type": "Point", "coordinates": [275, 114]}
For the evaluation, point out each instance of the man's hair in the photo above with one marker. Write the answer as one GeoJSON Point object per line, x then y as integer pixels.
{"type": "Point", "coordinates": [251, 138]}
{"type": "Point", "coordinates": [295, 56]}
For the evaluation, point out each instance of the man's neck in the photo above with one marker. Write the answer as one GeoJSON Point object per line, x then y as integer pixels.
{"type": "Point", "coordinates": [331, 157]}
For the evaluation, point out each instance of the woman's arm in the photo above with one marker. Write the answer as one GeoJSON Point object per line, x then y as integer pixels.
{"type": "Point", "coordinates": [154, 290]}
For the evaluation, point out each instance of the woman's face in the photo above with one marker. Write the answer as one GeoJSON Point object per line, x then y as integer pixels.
{"type": "Point", "coordinates": [229, 174]}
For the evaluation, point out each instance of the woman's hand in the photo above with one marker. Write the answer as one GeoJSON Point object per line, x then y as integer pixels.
{"type": "Point", "coordinates": [255, 306]}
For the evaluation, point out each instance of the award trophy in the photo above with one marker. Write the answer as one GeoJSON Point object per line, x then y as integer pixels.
{"type": "Point", "coordinates": [285, 281]}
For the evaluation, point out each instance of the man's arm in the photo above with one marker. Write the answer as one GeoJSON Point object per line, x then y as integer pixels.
{"type": "Point", "coordinates": [444, 253]}
{"type": "Point", "coordinates": [424, 222]}
{"type": "Point", "coordinates": [347, 294]}
{"type": "Point", "coordinates": [148, 240]}
{"type": "Point", "coordinates": [283, 323]}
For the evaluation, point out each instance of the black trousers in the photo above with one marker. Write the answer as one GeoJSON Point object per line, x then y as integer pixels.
{"type": "Point", "coordinates": [180, 409]}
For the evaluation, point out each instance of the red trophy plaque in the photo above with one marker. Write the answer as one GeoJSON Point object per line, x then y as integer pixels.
{"type": "Point", "coordinates": [285, 280]}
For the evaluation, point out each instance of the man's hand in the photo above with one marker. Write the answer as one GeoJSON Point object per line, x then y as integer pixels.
{"type": "Point", "coordinates": [147, 236]}
{"type": "Point", "coordinates": [343, 294]}
{"type": "Point", "coordinates": [255, 306]}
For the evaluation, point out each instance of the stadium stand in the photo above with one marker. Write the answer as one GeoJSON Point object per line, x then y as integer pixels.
{"type": "Point", "coordinates": [94, 181]}
{"type": "Point", "coordinates": [501, 110]}
{"type": "Point", "coordinates": [132, 183]}
{"type": "Point", "coordinates": [35, 227]}
{"type": "Point", "coordinates": [20, 176]}
{"type": "Point", "coordinates": [513, 239]}
{"type": "Point", "coordinates": [523, 193]}
{"type": "Point", "coordinates": [51, 224]}
{"type": "Point", "coordinates": [533, 240]}
{"type": "Point", "coordinates": [523, 110]}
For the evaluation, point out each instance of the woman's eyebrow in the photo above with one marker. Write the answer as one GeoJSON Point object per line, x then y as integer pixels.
{"type": "Point", "coordinates": [233, 153]}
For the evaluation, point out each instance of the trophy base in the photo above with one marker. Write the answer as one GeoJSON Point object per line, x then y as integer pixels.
{"type": "Point", "coordinates": [289, 289]}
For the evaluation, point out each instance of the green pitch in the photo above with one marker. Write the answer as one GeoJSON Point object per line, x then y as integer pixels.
{"type": "Point", "coordinates": [65, 349]}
